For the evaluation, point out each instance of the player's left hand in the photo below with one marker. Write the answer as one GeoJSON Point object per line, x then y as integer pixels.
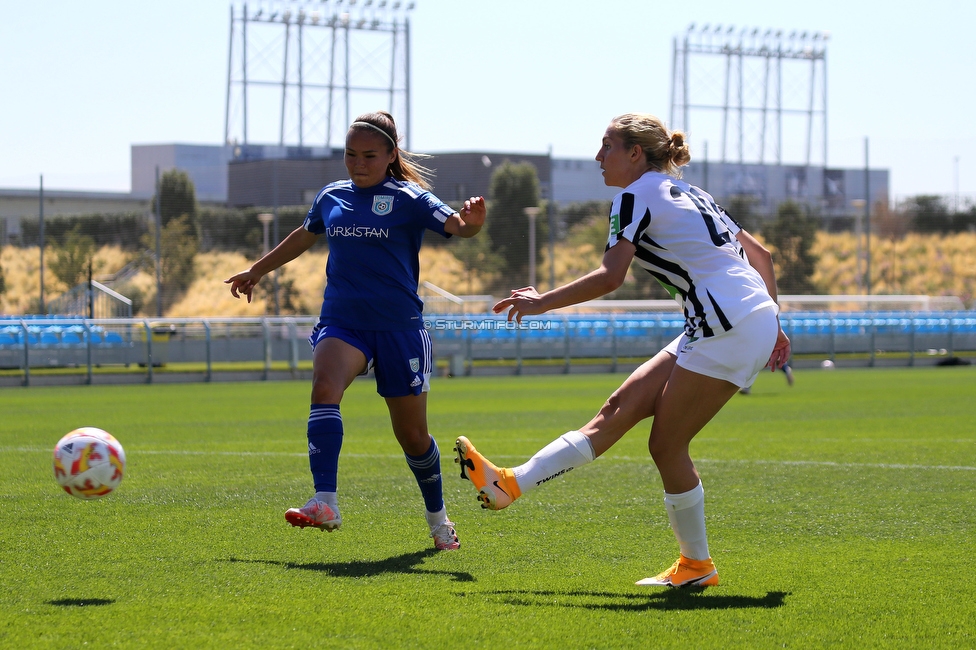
{"type": "Point", "coordinates": [523, 302]}
{"type": "Point", "coordinates": [781, 352]}
{"type": "Point", "coordinates": [474, 211]}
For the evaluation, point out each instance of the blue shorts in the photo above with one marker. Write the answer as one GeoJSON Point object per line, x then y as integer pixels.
{"type": "Point", "coordinates": [401, 360]}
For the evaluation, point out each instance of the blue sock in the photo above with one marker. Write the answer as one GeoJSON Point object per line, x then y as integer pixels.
{"type": "Point", "coordinates": [324, 443]}
{"type": "Point", "coordinates": [427, 469]}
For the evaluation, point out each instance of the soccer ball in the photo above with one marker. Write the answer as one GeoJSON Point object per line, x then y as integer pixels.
{"type": "Point", "coordinates": [89, 463]}
{"type": "Point", "coordinates": [827, 364]}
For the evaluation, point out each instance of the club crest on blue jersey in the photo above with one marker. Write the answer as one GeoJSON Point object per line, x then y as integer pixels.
{"type": "Point", "coordinates": [382, 204]}
{"type": "Point", "coordinates": [415, 364]}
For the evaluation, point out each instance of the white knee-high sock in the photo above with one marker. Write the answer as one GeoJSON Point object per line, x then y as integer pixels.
{"type": "Point", "coordinates": [566, 452]}
{"type": "Point", "coordinates": [686, 512]}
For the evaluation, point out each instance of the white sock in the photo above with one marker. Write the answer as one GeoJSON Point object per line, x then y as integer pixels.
{"type": "Point", "coordinates": [330, 499]}
{"type": "Point", "coordinates": [569, 450]}
{"type": "Point", "coordinates": [686, 511]}
{"type": "Point", "coordinates": [435, 519]}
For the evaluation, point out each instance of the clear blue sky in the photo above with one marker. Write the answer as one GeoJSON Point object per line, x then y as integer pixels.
{"type": "Point", "coordinates": [82, 81]}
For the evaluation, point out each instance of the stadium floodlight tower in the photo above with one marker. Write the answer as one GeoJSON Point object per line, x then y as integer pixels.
{"type": "Point", "coordinates": [313, 65]}
{"type": "Point", "coordinates": [747, 81]}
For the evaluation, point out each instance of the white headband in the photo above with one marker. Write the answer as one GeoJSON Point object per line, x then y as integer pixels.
{"type": "Point", "coordinates": [373, 126]}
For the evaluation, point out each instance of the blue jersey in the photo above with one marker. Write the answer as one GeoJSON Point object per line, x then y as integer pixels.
{"type": "Point", "coordinates": [374, 239]}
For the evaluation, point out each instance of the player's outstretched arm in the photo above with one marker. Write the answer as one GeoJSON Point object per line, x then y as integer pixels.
{"type": "Point", "coordinates": [761, 260]}
{"type": "Point", "coordinates": [527, 301]}
{"type": "Point", "coordinates": [469, 220]}
{"type": "Point", "coordinates": [297, 242]}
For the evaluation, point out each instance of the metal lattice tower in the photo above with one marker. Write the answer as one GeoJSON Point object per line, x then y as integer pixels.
{"type": "Point", "coordinates": [305, 69]}
{"type": "Point", "coordinates": [748, 88]}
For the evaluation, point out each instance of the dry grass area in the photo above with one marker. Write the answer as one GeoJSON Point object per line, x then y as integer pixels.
{"type": "Point", "coordinates": [931, 265]}
{"type": "Point", "coordinates": [23, 280]}
{"type": "Point", "coordinates": [209, 296]}
{"type": "Point", "coordinates": [915, 264]}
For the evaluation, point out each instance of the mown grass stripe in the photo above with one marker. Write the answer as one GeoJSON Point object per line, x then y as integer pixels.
{"type": "Point", "coordinates": [607, 459]}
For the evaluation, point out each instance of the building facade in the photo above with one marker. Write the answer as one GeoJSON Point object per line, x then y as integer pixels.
{"type": "Point", "coordinates": [18, 204]}
{"type": "Point", "coordinates": [206, 165]}
{"type": "Point", "coordinates": [832, 193]}
{"type": "Point", "coordinates": [269, 175]}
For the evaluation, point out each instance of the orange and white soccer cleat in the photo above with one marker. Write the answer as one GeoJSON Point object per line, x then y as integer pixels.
{"type": "Point", "coordinates": [685, 573]}
{"type": "Point", "coordinates": [496, 486]}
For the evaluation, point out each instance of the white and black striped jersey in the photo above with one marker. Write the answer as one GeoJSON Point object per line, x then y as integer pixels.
{"type": "Point", "coordinates": [687, 242]}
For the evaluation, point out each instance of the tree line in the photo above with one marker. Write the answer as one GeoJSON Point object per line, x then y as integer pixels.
{"type": "Point", "coordinates": [187, 229]}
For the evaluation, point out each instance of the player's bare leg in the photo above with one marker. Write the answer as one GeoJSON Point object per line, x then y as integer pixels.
{"type": "Point", "coordinates": [635, 400]}
{"type": "Point", "coordinates": [628, 405]}
{"type": "Point", "coordinates": [335, 365]}
{"type": "Point", "coordinates": [687, 403]}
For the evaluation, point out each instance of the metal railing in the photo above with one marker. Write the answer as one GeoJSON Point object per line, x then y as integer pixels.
{"type": "Point", "coordinates": [123, 350]}
{"type": "Point", "coordinates": [84, 351]}
{"type": "Point", "coordinates": [92, 298]}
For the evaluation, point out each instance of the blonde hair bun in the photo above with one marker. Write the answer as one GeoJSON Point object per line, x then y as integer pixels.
{"type": "Point", "coordinates": [665, 151]}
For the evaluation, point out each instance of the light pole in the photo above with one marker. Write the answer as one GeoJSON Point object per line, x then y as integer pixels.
{"type": "Point", "coordinates": [265, 218]}
{"type": "Point", "coordinates": [867, 221]}
{"type": "Point", "coordinates": [858, 205]}
{"type": "Point", "coordinates": [40, 236]}
{"type": "Point", "coordinates": [159, 247]}
{"type": "Point", "coordinates": [551, 214]}
{"type": "Point", "coordinates": [956, 186]}
{"type": "Point", "coordinates": [531, 213]}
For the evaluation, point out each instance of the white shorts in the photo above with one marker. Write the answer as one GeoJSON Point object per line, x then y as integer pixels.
{"type": "Point", "coordinates": [737, 356]}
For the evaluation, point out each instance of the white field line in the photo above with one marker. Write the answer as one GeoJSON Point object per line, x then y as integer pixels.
{"type": "Point", "coordinates": [611, 459]}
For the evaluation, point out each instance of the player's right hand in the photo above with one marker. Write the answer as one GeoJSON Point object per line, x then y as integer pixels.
{"type": "Point", "coordinates": [523, 302]}
{"type": "Point", "coordinates": [243, 283]}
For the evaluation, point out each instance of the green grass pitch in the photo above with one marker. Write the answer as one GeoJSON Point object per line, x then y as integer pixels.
{"type": "Point", "coordinates": [841, 513]}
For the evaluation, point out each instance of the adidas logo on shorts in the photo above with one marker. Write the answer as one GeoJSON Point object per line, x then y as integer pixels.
{"type": "Point", "coordinates": [416, 381]}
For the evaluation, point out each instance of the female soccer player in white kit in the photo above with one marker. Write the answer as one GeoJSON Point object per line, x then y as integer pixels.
{"type": "Point", "coordinates": [727, 288]}
{"type": "Point", "coordinates": [371, 314]}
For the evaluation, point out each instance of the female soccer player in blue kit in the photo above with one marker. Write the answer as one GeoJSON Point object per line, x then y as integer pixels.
{"type": "Point", "coordinates": [371, 315]}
